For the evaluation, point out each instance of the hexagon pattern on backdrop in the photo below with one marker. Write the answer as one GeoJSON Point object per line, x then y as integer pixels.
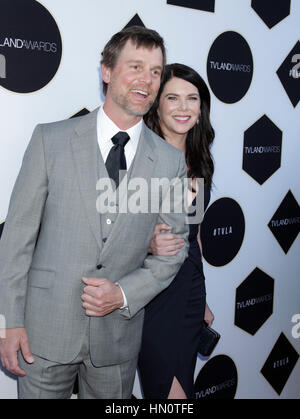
{"type": "Point", "coordinates": [204, 5]}
{"type": "Point", "coordinates": [271, 11]}
{"type": "Point", "coordinates": [280, 363]}
{"type": "Point", "coordinates": [262, 149]}
{"type": "Point", "coordinates": [289, 74]}
{"type": "Point", "coordinates": [254, 301]}
{"type": "Point", "coordinates": [285, 223]}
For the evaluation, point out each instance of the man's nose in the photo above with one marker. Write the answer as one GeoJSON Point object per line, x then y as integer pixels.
{"type": "Point", "coordinates": [146, 76]}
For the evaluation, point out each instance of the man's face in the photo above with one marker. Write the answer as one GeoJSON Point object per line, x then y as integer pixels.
{"type": "Point", "coordinates": [134, 81]}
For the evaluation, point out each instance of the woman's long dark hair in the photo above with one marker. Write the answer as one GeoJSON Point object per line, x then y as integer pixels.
{"type": "Point", "coordinates": [200, 137]}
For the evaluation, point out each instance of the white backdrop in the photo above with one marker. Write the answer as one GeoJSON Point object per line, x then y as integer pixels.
{"type": "Point", "coordinates": [85, 28]}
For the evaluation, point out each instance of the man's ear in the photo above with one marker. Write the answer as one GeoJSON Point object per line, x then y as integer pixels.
{"type": "Point", "coordinates": [105, 73]}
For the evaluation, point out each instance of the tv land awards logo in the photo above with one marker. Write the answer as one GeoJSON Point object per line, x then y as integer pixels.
{"type": "Point", "coordinates": [217, 379]}
{"type": "Point", "coordinates": [30, 46]}
{"type": "Point", "coordinates": [254, 301]}
{"type": "Point", "coordinates": [280, 363]}
{"type": "Point", "coordinates": [205, 5]}
{"type": "Point", "coordinates": [270, 11]}
{"type": "Point", "coordinates": [262, 149]}
{"type": "Point", "coordinates": [285, 223]}
{"type": "Point", "coordinates": [224, 239]}
{"type": "Point", "coordinates": [289, 74]}
{"type": "Point", "coordinates": [230, 67]}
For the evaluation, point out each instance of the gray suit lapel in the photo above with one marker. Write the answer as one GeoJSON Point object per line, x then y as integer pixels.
{"type": "Point", "coordinates": [85, 154]}
{"type": "Point", "coordinates": [145, 157]}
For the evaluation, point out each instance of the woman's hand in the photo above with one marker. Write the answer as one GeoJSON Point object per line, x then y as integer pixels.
{"type": "Point", "coordinates": [208, 316]}
{"type": "Point", "coordinates": [163, 243]}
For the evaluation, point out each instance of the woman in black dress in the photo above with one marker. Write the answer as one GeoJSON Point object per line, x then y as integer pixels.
{"type": "Point", "coordinates": [173, 319]}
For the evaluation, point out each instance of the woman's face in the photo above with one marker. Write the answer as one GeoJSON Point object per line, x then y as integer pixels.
{"type": "Point", "coordinates": [179, 107]}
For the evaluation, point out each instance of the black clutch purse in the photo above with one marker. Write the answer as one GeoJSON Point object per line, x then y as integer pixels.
{"type": "Point", "coordinates": [208, 340]}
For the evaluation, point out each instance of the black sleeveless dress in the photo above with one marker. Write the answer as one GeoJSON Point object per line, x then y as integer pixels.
{"type": "Point", "coordinates": [172, 325]}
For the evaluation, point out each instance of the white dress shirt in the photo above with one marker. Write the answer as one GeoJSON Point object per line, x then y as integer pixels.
{"type": "Point", "coordinates": [106, 129]}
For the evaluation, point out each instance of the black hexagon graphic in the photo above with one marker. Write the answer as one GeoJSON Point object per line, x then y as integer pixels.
{"type": "Point", "coordinates": [270, 11]}
{"type": "Point", "coordinates": [289, 74]}
{"type": "Point", "coordinates": [82, 112]}
{"type": "Point", "coordinates": [135, 21]}
{"type": "Point", "coordinates": [262, 149]}
{"type": "Point", "coordinates": [280, 363]}
{"type": "Point", "coordinates": [205, 5]}
{"type": "Point", "coordinates": [285, 223]}
{"type": "Point", "coordinates": [254, 301]}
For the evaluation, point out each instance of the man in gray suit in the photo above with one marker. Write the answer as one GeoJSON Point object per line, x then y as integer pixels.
{"type": "Point", "coordinates": [73, 282]}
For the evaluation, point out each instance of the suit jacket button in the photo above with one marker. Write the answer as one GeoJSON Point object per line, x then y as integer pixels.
{"type": "Point", "coordinates": [99, 266]}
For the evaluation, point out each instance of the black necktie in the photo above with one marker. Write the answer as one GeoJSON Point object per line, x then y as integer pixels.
{"type": "Point", "coordinates": [116, 158]}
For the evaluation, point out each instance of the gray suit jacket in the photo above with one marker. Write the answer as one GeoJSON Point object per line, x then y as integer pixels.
{"type": "Point", "coordinates": [52, 238]}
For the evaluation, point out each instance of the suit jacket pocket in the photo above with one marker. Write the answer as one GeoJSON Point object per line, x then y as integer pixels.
{"type": "Point", "coordinates": [41, 278]}
{"type": "Point", "coordinates": [114, 339]}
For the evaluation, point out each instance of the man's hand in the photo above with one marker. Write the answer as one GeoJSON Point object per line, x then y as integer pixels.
{"type": "Point", "coordinates": [101, 297]}
{"type": "Point", "coordinates": [15, 340]}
